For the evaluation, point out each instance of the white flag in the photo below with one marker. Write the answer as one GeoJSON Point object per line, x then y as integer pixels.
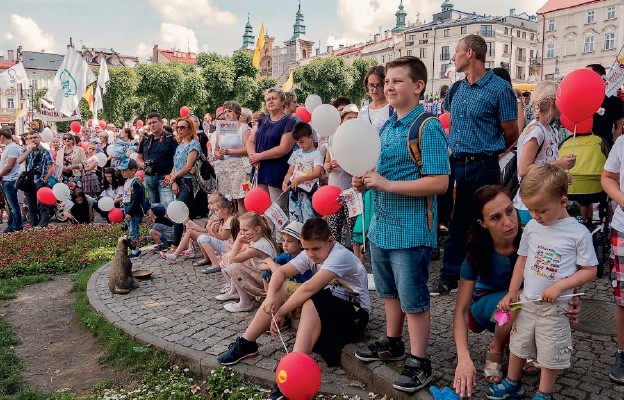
{"type": "Point", "coordinates": [70, 83]}
{"type": "Point", "coordinates": [103, 76]}
{"type": "Point", "coordinates": [98, 103]}
{"type": "Point", "coordinates": [13, 76]}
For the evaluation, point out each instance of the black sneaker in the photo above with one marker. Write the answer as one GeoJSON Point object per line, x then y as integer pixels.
{"type": "Point", "coordinates": [440, 287]}
{"type": "Point", "coordinates": [276, 394]}
{"type": "Point", "coordinates": [617, 371]}
{"type": "Point", "coordinates": [135, 255]}
{"type": "Point", "coordinates": [237, 351]}
{"type": "Point", "coordinates": [382, 350]}
{"type": "Point", "coordinates": [415, 376]}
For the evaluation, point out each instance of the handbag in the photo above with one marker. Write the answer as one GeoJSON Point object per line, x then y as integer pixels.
{"type": "Point", "coordinates": [26, 180]}
{"type": "Point", "coordinates": [204, 174]}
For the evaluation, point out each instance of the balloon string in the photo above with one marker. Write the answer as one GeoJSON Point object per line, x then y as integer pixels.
{"type": "Point", "coordinates": [279, 333]}
{"type": "Point", "coordinates": [574, 138]}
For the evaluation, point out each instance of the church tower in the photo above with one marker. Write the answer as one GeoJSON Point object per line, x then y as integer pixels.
{"type": "Point", "coordinates": [447, 6]}
{"type": "Point", "coordinates": [248, 37]}
{"type": "Point", "coordinates": [299, 27]}
{"type": "Point", "coordinates": [400, 19]}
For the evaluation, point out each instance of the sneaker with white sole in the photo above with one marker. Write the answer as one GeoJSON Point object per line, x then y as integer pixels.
{"type": "Point", "coordinates": [227, 296]}
{"type": "Point", "coordinates": [617, 371]}
{"type": "Point", "coordinates": [188, 254]}
{"type": "Point", "coordinates": [236, 307]}
{"type": "Point", "coordinates": [168, 256]}
{"type": "Point", "coordinates": [371, 282]}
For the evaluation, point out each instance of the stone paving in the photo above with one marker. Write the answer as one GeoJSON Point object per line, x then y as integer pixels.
{"type": "Point", "coordinates": [176, 311]}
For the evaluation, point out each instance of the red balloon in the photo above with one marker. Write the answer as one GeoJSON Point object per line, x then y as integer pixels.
{"type": "Point", "coordinates": [257, 200]}
{"type": "Point", "coordinates": [75, 126]}
{"type": "Point", "coordinates": [139, 124]}
{"type": "Point", "coordinates": [141, 175]}
{"type": "Point", "coordinates": [115, 215]}
{"type": "Point", "coordinates": [102, 124]}
{"type": "Point", "coordinates": [303, 114]}
{"type": "Point", "coordinates": [84, 145]}
{"type": "Point", "coordinates": [298, 376]}
{"type": "Point", "coordinates": [46, 196]}
{"type": "Point", "coordinates": [580, 94]}
{"type": "Point", "coordinates": [185, 111]}
{"type": "Point", "coordinates": [445, 120]}
{"type": "Point", "coordinates": [326, 200]}
{"type": "Point", "coordinates": [581, 127]}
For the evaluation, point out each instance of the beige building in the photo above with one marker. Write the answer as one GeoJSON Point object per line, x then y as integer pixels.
{"type": "Point", "coordinates": [575, 33]}
{"type": "Point", "coordinates": [511, 41]}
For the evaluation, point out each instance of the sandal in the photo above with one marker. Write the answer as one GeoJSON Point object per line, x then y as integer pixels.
{"type": "Point", "coordinates": [531, 368]}
{"type": "Point", "coordinates": [201, 263]}
{"type": "Point", "coordinates": [493, 370]}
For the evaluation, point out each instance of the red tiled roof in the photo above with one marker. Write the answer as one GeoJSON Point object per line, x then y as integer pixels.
{"type": "Point", "coordinates": [189, 58]}
{"type": "Point", "coordinates": [7, 64]}
{"type": "Point", "coordinates": [554, 5]}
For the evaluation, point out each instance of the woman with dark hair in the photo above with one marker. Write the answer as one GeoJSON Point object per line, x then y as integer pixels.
{"type": "Point", "coordinates": [80, 211]}
{"type": "Point", "coordinates": [493, 241]}
{"type": "Point", "coordinates": [113, 187]}
{"type": "Point", "coordinates": [378, 110]}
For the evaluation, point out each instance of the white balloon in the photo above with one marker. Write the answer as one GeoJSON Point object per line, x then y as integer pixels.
{"type": "Point", "coordinates": [106, 203]}
{"type": "Point", "coordinates": [47, 136]}
{"type": "Point", "coordinates": [61, 191]}
{"type": "Point", "coordinates": [177, 211]}
{"type": "Point", "coordinates": [325, 120]}
{"type": "Point", "coordinates": [312, 101]}
{"type": "Point", "coordinates": [134, 156]}
{"type": "Point", "coordinates": [110, 150]}
{"type": "Point", "coordinates": [356, 146]}
{"type": "Point", "coordinates": [102, 159]}
{"type": "Point", "coordinates": [45, 146]}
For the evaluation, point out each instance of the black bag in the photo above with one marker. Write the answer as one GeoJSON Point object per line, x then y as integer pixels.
{"type": "Point", "coordinates": [204, 174]}
{"type": "Point", "coordinates": [509, 173]}
{"type": "Point", "coordinates": [26, 181]}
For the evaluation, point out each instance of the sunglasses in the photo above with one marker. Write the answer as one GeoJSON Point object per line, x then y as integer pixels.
{"type": "Point", "coordinates": [67, 138]}
{"type": "Point", "coordinates": [181, 127]}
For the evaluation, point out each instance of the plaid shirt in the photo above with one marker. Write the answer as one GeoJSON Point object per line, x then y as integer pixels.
{"type": "Point", "coordinates": [477, 111]}
{"type": "Point", "coordinates": [44, 160]}
{"type": "Point", "coordinates": [399, 221]}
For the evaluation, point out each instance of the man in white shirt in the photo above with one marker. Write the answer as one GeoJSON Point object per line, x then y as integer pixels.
{"type": "Point", "coordinates": [9, 172]}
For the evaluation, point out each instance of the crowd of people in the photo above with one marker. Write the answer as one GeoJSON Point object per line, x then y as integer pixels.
{"type": "Point", "coordinates": [502, 247]}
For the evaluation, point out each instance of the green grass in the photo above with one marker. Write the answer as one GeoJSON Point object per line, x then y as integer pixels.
{"type": "Point", "coordinates": [9, 287]}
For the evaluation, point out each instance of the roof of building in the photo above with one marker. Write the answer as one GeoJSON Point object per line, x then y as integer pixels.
{"type": "Point", "coordinates": [45, 61]}
{"type": "Point", "coordinates": [554, 5]}
{"type": "Point", "coordinates": [185, 57]}
{"type": "Point", "coordinates": [472, 19]}
{"type": "Point", "coordinates": [7, 64]}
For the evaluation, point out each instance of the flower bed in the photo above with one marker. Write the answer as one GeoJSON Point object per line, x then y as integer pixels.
{"type": "Point", "coordinates": [57, 249]}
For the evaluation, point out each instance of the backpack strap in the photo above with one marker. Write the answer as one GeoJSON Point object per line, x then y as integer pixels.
{"type": "Point", "coordinates": [414, 150]}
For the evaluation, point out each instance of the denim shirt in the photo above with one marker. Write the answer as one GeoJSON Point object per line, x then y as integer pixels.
{"type": "Point", "coordinates": [181, 154]}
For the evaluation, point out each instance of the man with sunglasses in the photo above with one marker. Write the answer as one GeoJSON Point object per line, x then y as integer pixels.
{"type": "Point", "coordinates": [156, 152]}
{"type": "Point", "coordinates": [39, 160]}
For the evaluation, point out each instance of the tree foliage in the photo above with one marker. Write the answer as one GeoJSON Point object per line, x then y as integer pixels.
{"type": "Point", "coordinates": [360, 69]}
{"type": "Point", "coordinates": [120, 100]}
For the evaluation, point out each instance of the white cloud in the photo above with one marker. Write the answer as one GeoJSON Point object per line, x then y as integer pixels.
{"type": "Point", "coordinates": [193, 11]}
{"type": "Point", "coordinates": [144, 51]}
{"type": "Point", "coordinates": [171, 36]}
{"type": "Point", "coordinates": [26, 32]}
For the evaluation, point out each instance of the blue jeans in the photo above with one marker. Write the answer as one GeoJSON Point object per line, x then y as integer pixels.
{"type": "Point", "coordinates": [300, 204]}
{"type": "Point", "coordinates": [468, 177]}
{"type": "Point", "coordinates": [158, 192]}
{"type": "Point", "coordinates": [402, 274]}
{"type": "Point", "coordinates": [14, 221]}
{"type": "Point", "coordinates": [186, 196]}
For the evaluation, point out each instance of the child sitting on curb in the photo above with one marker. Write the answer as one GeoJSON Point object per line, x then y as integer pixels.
{"type": "Point", "coordinates": [160, 227]}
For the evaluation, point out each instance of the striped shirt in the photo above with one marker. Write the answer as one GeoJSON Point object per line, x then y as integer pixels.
{"type": "Point", "coordinates": [477, 112]}
{"type": "Point", "coordinates": [399, 221]}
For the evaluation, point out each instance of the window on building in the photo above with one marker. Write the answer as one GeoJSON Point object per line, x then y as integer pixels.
{"type": "Point", "coordinates": [412, 37]}
{"type": "Point", "coordinates": [591, 16]}
{"type": "Point", "coordinates": [550, 50]}
{"type": "Point", "coordinates": [490, 49]}
{"type": "Point", "coordinates": [423, 53]}
{"type": "Point", "coordinates": [464, 30]}
{"type": "Point", "coordinates": [425, 35]}
{"type": "Point", "coordinates": [409, 52]}
{"type": "Point", "coordinates": [305, 54]}
{"type": "Point", "coordinates": [486, 31]}
{"type": "Point", "coordinates": [531, 54]}
{"type": "Point", "coordinates": [488, 64]}
{"type": "Point", "coordinates": [523, 35]}
{"type": "Point", "coordinates": [443, 70]}
{"type": "Point", "coordinates": [506, 51]}
{"type": "Point", "coordinates": [447, 32]}
{"type": "Point", "coordinates": [518, 34]}
{"type": "Point", "coordinates": [532, 36]}
{"type": "Point", "coordinates": [446, 53]}
{"type": "Point", "coordinates": [609, 41]}
{"type": "Point", "coordinates": [521, 55]}
{"type": "Point", "coordinates": [519, 72]}
{"type": "Point", "coordinates": [383, 59]}
{"type": "Point", "coordinates": [10, 103]}
{"type": "Point", "coordinates": [611, 12]}
{"type": "Point", "coordinates": [506, 31]}
{"type": "Point", "coordinates": [551, 24]}
{"type": "Point", "coordinates": [34, 84]}
{"type": "Point", "coordinates": [549, 77]}
{"type": "Point", "coordinates": [589, 44]}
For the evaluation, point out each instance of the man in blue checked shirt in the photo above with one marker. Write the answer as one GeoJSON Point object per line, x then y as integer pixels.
{"type": "Point", "coordinates": [402, 234]}
{"type": "Point", "coordinates": [484, 113]}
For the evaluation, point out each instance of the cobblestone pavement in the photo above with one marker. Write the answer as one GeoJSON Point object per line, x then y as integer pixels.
{"type": "Point", "coordinates": [177, 306]}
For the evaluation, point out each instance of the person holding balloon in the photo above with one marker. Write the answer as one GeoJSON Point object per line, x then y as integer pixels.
{"type": "Point", "coordinates": [133, 201]}
{"type": "Point", "coordinates": [403, 230]}
{"type": "Point", "coordinates": [39, 160]}
{"type": "Point", "coordinates": [113, 187]}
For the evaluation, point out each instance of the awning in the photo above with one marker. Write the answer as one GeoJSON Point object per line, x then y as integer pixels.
{"type": "Point", "coordinates": [524, 87]}
{"type": "Point", "coordinates": [6, 120]}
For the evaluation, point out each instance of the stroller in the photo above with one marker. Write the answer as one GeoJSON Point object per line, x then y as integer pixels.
{"type": "Point", "coordinates": [591, 154]}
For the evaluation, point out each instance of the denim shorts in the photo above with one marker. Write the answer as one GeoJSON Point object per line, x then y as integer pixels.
{"type": "Point", "coordinates": [483, 308]}
{"type": "Point", "coordinates": [403, 274]}
{"type": "Point", "coordinates": [166, 232]}
{"type": "Point", "coordinates": [218, 245]}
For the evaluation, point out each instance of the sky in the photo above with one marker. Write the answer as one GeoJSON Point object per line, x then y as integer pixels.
{"type": "Point", "coordinates": [133, 27]}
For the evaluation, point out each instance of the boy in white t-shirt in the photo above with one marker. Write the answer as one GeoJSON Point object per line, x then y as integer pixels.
{"type": "Point", "coordinates": [306, 166]}
{"type": "Point", "coordinates": [555, 256]}
{"type": "Point", "coordinates": [613, 184]}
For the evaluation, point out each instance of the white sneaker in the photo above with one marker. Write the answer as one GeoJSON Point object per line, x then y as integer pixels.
{"type": "Point", "coordinates": [235, 307]}
{"type": "Point", "coordinates": [371, 282]}
{"type": "Point", "coordinates": [227, 296]}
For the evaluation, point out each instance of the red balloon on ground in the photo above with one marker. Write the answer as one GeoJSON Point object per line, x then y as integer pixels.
{"type": "Point", "coordinates": [580, 94]}
{"type": "Point", "coordinates": [445, 120]}
{"type": "Point", "coordinates": [46, 196]}
{"type": "Point", "coordinates": [139, 124]}
{"type": "Point", "coordinates": [298, 376]}
{"type": "Point", "coordinates": [102, 124]}
{"type": "Point", "coordinates": [303, 114]}
{"type": "Point", "coordinates": [581, 127]}
{"type": "Point", "coordinates": [75, 126]}
{"type": "Point", "coordinates": [257, 200]}
{"type": "Point", "coordinates": [115, 215]}
{"type": "Point", "coordinates": [326, 200]}
{"type": "Point", "coordinates": [185, 111]}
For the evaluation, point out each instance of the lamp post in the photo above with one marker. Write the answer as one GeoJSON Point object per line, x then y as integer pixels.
{"type": "Point", "coordinates": [557, 62]}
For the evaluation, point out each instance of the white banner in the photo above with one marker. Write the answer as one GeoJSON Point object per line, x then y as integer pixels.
{"type": "Point", "coordinates": [13, 76]}
{"type": "Point", "coordinates": [277, 215]}
{"type": "Point", "coordinates": [615, 79]}
{"type": "Point", "coordinates": [353, 202]}
{"type": "Point", "coordinates": [70, 83]}
{"type": "Point", "coordinates": [227, 127]}
{"type": "Point", "coordinates": [49, 114]}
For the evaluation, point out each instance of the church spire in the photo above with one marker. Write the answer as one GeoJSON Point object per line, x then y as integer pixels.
{"type": "Point", "coordinates": [447, 6]}
{"type": "Point", "coordinates": [299, 27]}
{"type": "Point", "coordinates": [400, 19]}
{"type": "Point", "coordinates": [248, 37]}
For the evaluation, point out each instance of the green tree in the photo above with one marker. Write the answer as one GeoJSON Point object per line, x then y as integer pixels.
{"type": "Point", "coordinates": [219, 77]}
{"type": "Point", "coordinates": [360, 69]}
{"type": "Point", "coordinates": [38, 95]}
{"type": "Point", "coordinates": [120, 101]}
{"type": "Point", "coordinates": [243, 64]}
{"type": "Point", "coordinates": [327, 77]}
{"type": "Point", "coordinates": [159, 86]}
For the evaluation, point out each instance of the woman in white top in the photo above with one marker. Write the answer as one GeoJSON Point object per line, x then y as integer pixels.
{"type": "Point", "coordinates": [538, 143]}
{"type": "Point", "coordinates": [378, 110]}
{"type": "Point", "coordinates": [234, 168]}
